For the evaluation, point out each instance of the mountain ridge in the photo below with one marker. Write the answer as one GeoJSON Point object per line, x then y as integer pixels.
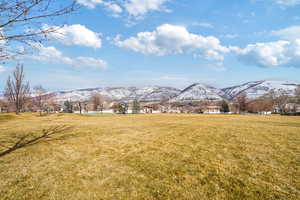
{"type": "Point", "coordinates": [196, 91]}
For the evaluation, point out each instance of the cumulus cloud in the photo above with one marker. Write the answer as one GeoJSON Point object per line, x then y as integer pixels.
{"type": "Point", "coordinates": [141, 7]}
{"type": "Point", "coordinates": [116, 9]}
{"type": "Point", "coordinates": [282, 53]}
{"type": "Point", "coordinates": [136, 8]}
{"type": "Point", "coordinates": [52, 55]}
{"type": "Point", "coordinates": [109, 5]}
{"type": "Point", "coordinates": [290, 33]}
{"type": "Point", "coordinates": [272, 54]}
{"type": "Point", "coordinates": [75, 35]}
{"type": "Point", "coordinates": [112, 7]}
{"type": "Point", "coordinates": [90, 62]}
{"type": "Point", "coordinates": [89, 3]}
{"type": "Point", "coordinates": [170, 39]}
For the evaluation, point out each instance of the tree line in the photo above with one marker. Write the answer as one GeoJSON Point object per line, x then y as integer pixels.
{"type": "Point", "coordinates": [20, 97]}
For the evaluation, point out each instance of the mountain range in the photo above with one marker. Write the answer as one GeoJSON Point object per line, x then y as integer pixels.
{"type": "Point", "coordinates": [194, 92]}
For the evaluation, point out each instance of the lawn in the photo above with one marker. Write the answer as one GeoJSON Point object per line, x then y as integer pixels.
{"type": "Point", "coordinates": [161, 156]}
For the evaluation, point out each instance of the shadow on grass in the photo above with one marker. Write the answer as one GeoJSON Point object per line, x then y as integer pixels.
{"type": "Point", "coordinates": [6, 117]}
{"type": "Point", "coordinates": [18, 142]}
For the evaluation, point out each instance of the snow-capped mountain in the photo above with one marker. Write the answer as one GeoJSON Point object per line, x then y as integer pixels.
{"type": "Point", "coordinates": [151, 93]}
{"type": "Point", "coordinates": [257, 89]}
{"type": "Point", "coordinates": [157, 93]}
{"type": "Point", "coordinates": [76, 95]}
{"type": "Point", "coordinates": [200, 91]}
{"type": "Point", "coordinates": [194, 92]}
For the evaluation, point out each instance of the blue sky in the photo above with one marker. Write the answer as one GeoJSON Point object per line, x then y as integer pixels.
{"type": "Point", "coordinates": [168, 43]}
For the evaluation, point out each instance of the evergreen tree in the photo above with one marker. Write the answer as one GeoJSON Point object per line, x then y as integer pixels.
{"type": "Point", "coordinates": [68, 107]}
{"type": "Point", "coordinates": [123, 108]}
{"type": "Point", "coordinates": [297, 94]}
{"type": "Point", "coordinates": [136, 107]}
{"type": "Point", "coordinates": [224, 107]}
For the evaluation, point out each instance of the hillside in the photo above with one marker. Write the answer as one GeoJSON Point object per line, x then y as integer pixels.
{"type": "Point", "coordinates": [151, 93]}
{"type": "Point", "coordinates": [257, 89]}
{"type": "Point", "coordinates": [199, 91]}
{"type": "Point", "coordinates": [194, 92]}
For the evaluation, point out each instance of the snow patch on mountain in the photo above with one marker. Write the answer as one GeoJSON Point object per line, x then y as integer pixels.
{"type": "Point", "coordinates": [257, 89]}
{"type": "Point", "coordinates": [150, 93]}
{"type": "Point", "coordinates": [200, 91]}
{"type": "Point", "coordinates": [195, 92]}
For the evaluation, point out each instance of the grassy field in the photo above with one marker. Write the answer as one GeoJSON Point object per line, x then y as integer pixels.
{"type": "Point", "coordinates": [206, 157]}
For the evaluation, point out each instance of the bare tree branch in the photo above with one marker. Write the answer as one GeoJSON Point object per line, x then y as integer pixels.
{"type": "Point", "coordinates": [22, 21]}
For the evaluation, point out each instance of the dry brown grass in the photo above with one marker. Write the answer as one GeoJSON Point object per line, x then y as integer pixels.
{"type": "Point", "coordinates": [151, 157]}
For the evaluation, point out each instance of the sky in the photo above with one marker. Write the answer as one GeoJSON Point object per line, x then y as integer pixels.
{"type": "Point", "coordinates": [111, 43]}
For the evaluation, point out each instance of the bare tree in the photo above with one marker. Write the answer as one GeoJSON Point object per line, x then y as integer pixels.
{"type": "Point", "coordinates": [23, 21]}
{"type": "Point", "coordinates": [41, 98]}
{"type": "Point", "coordinates": [17, 90]}
{"type": "Point", "coordinates": [297, 94]}
{"type": "Point", "coordinates": [241, 101]}
{"type": "Point", "coordinates": [52, 104]}
{"type": "Point", "coordinates": [281, 101]}
{"type": "Point", "coordinates": [86, 107]}
{"type": "Point", "coordinates": [97, 102]}
{"type": "Point", "coordinates": [262, 104]}
{"type": "Point", "coordinates": [80, 105]}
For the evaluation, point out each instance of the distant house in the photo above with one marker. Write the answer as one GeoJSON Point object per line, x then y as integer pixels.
{"type": "Point", "coordinates": [152, 107]}
{"type": "Point", "coordinates": [3, 107]}
{"type": "Point", "coordinates": [147, 109]}
{"type": "Point", "coordinates": [211, 109]}
{"type": "Point", "coordinates": [292, 108]}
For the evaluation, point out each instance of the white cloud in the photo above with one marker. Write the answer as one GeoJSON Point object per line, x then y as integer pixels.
{"type": "Point", "coordinates": [141, 7]}
{"type": "Point", "coordinates": [116, 9]}
{"type": "Point", "coordinates": [287, 2]}
{"type": "Point", "coordinates": [52, 55]}
{"type": "Point", "coordinates": [110, 6]}
{"type": "Point", "coordinates": [76, 35]}
{"type": "Point", "coordinates": [135, 8]}
{"type": "Point", "coordinates": [282, 53]}
{"type": "Point", "coordinates": [170, 39]}
{"type": "Point", "coordinates": [89, 3]}
{"type": "Point", "coordinates": [88, 61]}
{"type": "Point", "coordinates": [2, 68]}
{"type": "Point", "coordinates": [49, 54]}
{"type": "Point", "coordinates": [272, 54]}
{"type": "Point", "coordinates": [290, 33]}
